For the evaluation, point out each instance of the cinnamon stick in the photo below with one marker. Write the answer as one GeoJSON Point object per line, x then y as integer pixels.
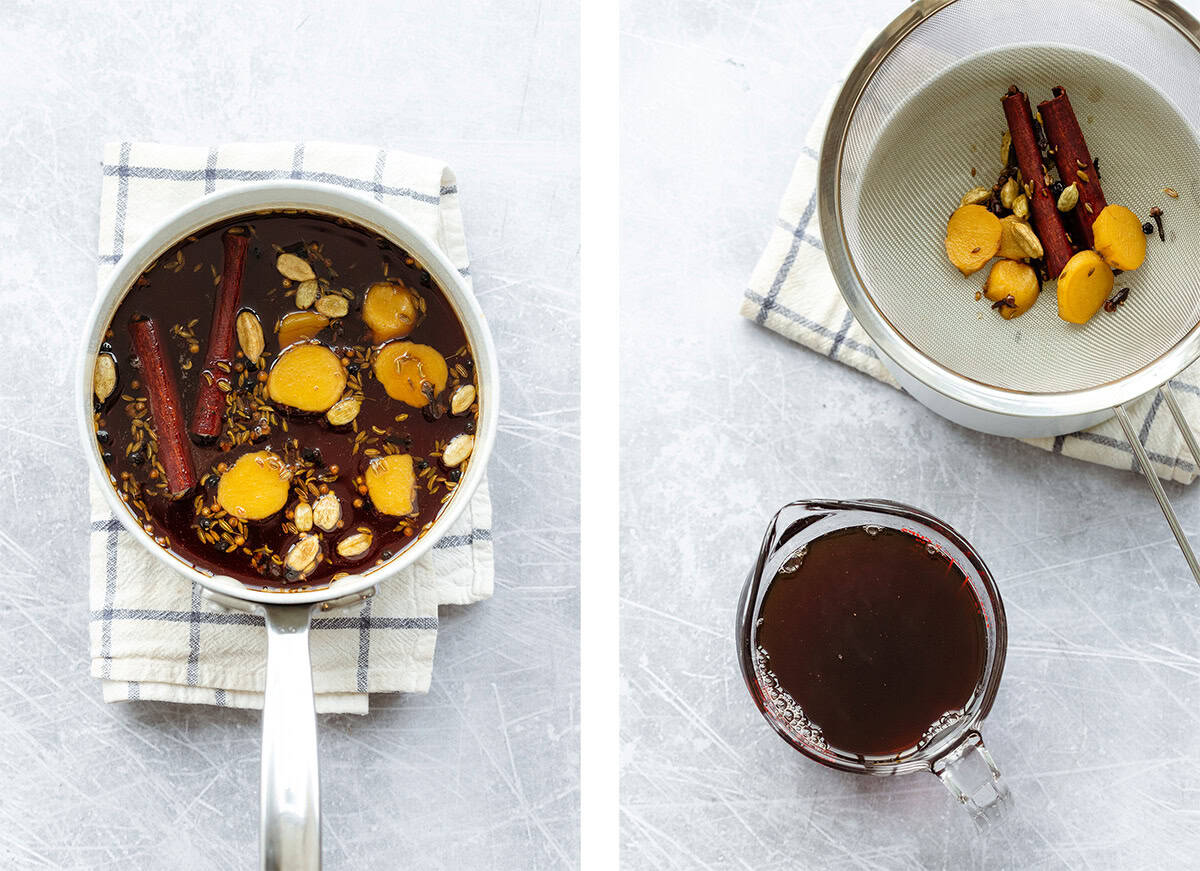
{"type": "Point", "coordinates": [1074, 161]}
{"type": "Point", "coordinates": [215, 379]}
{"type": "Point", "coordinates": [173, 450]}
{"type": "Point", "coordinates": [1042, 203]}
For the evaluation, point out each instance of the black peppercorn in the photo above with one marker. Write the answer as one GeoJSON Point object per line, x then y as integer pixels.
{"type": "Point", "coordinates": [387, 554]}
{"type": "Point", "coordinates": [312, 455]}
{"type": "Point", "coordinates": [106, 457]}
{"type": "Point", "coordinates": [352, 368]}
{"type": "Point", "coordinates": [1056, 189]}
{"type": "Point", "coordinates": [205, 524]}
{"type": "Point", "coordinates": [104, 437]}
{"type": "Point", "coordinates": [422, 465]}
{"type": "Point", "coordinates": [106, 347]}
{"type": "Point", "coordinates": [470, 426]}
{"type": "Point", "coordinates": [1148, 228]}
{"type": "Point", "coordinates": [211, 480]}
{"type": "Point", "coordinates": [454, 474]}
{"type": "Point", "coordinates": [136, 458]}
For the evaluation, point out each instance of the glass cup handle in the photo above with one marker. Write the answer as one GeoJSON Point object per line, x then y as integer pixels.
{"type": "Point", "coordinates": [971, 775]}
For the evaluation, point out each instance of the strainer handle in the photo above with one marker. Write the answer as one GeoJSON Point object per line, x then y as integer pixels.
{"type": "Point", "coordinates": [1152, 478]}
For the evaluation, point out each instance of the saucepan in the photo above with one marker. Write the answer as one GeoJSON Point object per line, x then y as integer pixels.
{"type": "Point", "coordinates": [290, 829]}
{"type": "Point", "coordinates": [920, 114]}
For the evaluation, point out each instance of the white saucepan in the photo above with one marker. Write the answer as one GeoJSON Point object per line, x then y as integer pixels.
{"type": "Point", "coordinates": [290, 831]}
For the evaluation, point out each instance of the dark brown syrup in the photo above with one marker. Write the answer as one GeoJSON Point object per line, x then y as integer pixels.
{"type": "Point", "coordinates": [179, 290]}
{"type": "Point", "coordinates": [873, 639]}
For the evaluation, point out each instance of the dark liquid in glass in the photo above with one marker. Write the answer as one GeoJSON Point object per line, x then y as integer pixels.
{"type": "Point", "coordinates": [872, 639]}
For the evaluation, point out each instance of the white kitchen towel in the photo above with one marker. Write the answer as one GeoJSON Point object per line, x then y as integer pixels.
{"type": "Point", "coordinates": [152, 635]}
{"type": "Point", "coordinates": [793, 292]}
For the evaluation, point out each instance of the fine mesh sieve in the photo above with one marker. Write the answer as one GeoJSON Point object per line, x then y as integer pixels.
{"type": "Point", "coordinates": [922, 108]}
{"type": "Point", "coordinates": [919, 167]}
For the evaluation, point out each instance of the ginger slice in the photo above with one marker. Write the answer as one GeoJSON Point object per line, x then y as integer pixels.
{"type": "Point", "coordinates": [300, 326]}
{"type": "Point", "coordinates": [1118, 237]}
{"type": "Point", "coordinates": [972, 238]}
{"type": "Point", "coordinates": [255, 487]}
{"type": "Point", "coordinates": [392, 485]}
{"type": "Point", "coordinates": [307, 377]}
{"type": "Point", "coordinates": [392, 311]}
{"type": "Point", "coordinates": [412, 373]}
{"type": "Point", "coordinates": [1013, 282]}
{"type": "Point", "coordinates": [1085, 283]}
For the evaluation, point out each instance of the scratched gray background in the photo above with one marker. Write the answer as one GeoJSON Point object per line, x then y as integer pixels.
{"type": "Point", "coordinates": [480, 773]}
{"type": "Point", "coordinates": [1096, 723]}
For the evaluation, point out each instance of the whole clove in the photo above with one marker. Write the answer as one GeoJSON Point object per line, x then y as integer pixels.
{"type": "Point", "coordinates": [1007, 302]}
{"type": "Point", "coordinates": [1156, 214]}
{"type": "Point", "coordinates": [1117, 300]}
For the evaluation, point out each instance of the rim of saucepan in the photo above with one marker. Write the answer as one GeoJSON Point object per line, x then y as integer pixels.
{"type": "Point", "coordinates": [982, 701]}
{"type": "Point", "coordinates": [895, 347]}
{"type": "Point", "coordinates": [319, 198]}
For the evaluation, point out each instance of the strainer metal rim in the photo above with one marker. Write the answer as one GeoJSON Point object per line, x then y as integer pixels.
{"type": "Point", "coordinates": [895, 347]}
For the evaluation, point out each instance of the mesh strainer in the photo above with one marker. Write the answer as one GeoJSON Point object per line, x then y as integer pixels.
{"type": "Point", "coordinates": [920, 109]}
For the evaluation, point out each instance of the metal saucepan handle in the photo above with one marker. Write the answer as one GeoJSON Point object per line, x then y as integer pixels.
{"type": "Point", "coordinates": [290, 812]}
{"type": "Point", "coordinates": [1152, 478]}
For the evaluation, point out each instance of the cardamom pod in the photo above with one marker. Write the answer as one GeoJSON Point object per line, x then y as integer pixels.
{"type": "Point", "coordinates": [1069, 198]}
{"type": "Point", "coordinates": [1008, 193]}
{"type": "Point", "coordinates": [1020, 207]}
{"type": "Point", "coordinates": [975, 196]}
{"type": "Point", "coordinates": [250, 335]}
{"type": "Point", "coordinates": [293, 267]}
{"type": "Point", "coordinates": [104, 376]}
{"type": "Point", "coordinates": [1028, 241]}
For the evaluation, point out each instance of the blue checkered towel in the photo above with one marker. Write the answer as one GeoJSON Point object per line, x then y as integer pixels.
{"type": "Point", "coordinates": [152, 636]}
{"type": "Point", "coordinates": [793, 293]}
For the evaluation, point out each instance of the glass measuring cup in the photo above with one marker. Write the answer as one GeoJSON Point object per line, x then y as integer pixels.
{"type": "Point", "coordinates": [951, 747]}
